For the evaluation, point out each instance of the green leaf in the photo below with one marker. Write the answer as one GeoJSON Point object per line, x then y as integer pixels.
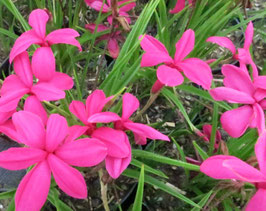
{"type": "Point", "coordinates": [163, 159]}
{"type": "Point", "coordinates": [149, 169]}
{"type": "Point", "coordinates": [201, 152]}
{"type": "Point", "coordinates": [8, 194]}
{"type": "Point", "coordinates": [166, 187]}
{"type": "Point", "coordinates": [203, 201]}
{"type": "Point", "coordinates": [53, 197]}
{"type": "Point", "coordinates": [8, 33]}
{"type": "Point", "coordinates": [139, 195]}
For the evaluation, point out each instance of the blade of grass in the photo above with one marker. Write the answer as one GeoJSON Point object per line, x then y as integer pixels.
{"type": "Point", "coordinates": [139, 195]}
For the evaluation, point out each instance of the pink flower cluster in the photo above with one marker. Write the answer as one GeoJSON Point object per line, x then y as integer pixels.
{"type": "Point", "coordinates": [241, 89]}
{"type": "Point", "coordinates": [115, 35]}
{"type": "Point", "coordinates": [47, 141]}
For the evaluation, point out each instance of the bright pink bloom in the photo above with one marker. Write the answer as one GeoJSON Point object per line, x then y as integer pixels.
{"type": "Point", "coordinates": [240, 89]}
{"type": "Point", "coordinates": [16, 86]}
{"type": "Point", "coordinates": [230, 167]}
{"type": "Point", "coordinates": [92, 113]}
{"type": "Point", "coordinates": [98, 5]}
{"type": "Point", "coordinates": [180, 5]}
{"type": "Point", "coordinates": [141, 131]}
{"type": "Point", "coordinates": [43, 57]}
{"type": "Point", "coordinates": [47, 149]}
{"type": "Point", "coordinates": [240, 54]}
{"type": "Point", "coordinates": [112, 38]}
{"type": "Point", "coordinates": [169, 74]}
{"type": "Point", "coordinates": [118, 149]}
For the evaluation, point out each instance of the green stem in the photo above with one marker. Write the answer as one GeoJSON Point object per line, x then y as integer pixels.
{"type": "Point", "coordinates": [103, 191]}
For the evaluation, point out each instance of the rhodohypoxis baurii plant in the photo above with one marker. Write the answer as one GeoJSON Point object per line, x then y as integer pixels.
{"type": "Point", "coordinates": [206, 135]}
{"type": "Point", "coordinates": [141, 131]}
{"type": "Point", "coordinates": [239, 88]}
{"type": "Point", "coordinates": [230, 167]}
{"type": "Point", "coordinates": [240, 54]}
{"type": "Point", "coordinates": [169, 74]}
{"type": "Point", "coordinates": [112, 38]}
{"type": "Point", "coordinates": [47, 149]}
{"type": "Point", "coordinates": [122, 10]}
{"type": "Point", "coordinates": [43, 59]}
{"type": "Point", "coordinates": [17, 85]}
{"type": "Point", "coordinates": [180, 5]}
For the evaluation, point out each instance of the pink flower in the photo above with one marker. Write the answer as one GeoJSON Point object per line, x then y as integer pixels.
{"type": "Point", "coordinates": [112, 38]}
{"type": "Point", "coordinates": [206, 135]}
{"type": "Point", "coordinates": [180, 5]}
{"type": "Point", "coordinates": [47, 149]}
{"type": "Point", "coordinates": [17, 85]}
{"type": "Point", "coordinates": [92, 113]}
{"type": "Point", "coordinates": [98, 5]}
{"type": "Point", "coordinates": [240, 54]}
{"type": "Point", "coordinates": [169, 74]}
{"type": "Point", "coordinates": [230, 167]}
{"type": "Point", "coordinates": [118, 149]}
{"type": "Point", "coordinates": [43, 57]}
{"type": "Point", "coordinates": [240, 89]}
{"type": "Point", "coordinates": [141, 131]}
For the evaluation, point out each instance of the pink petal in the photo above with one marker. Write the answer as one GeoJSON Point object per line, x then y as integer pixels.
{"type": "Point", "coordinates": [12, 85]}
{"type": "Point", "coordinates": [115, 140]}
{"type": "Point", "coordinates": [224, 42]}
{"type": "Point", "coordinates": [34, 188]}
{"type": "Point", "coordinates": [20, 158]}
{"type": "Point", "coordinates": [10, 102]}
{"type": "Point", "coordinates": [22, 68]}
{"type": "Point", "coordinates": [237, 79]}
{"type": "Point", "coordinates": [129, 106]}
{"type": "Point", "coordinates": [115, 166]}
{"type": "Point", "coordinates": [113, 48]}
{"type": "Point", "coordinates": [47, 92]}
{"type": "Point", "coordinates": [146, 131]}
{"type": "Point", "coordinates": [260, 151]}
{"type": "Point", "coordinates": [78, 109]}
{"type": "Point", "coordinates": [61, 81]}
{"type": "Point", "coordinates": [68, 179]}
{"type": "Point", "coordinates": [91, 27]}
{"type": "Point", "coordinates": [104, 117]}
{"type": "Point", "coordinates": [126, 7]}
{"type": "Point", "coordinates": [230, 167]}
{"type": "Point", "coordinates": [43, 63]}
{"type": "Point", "coordinates": [258, 201]}
{"type": "Point", "coordinates": [259, 94]}
{"type": "Point", "coordinates": [231, 95]}
{"type": "Point", "coordinates": [98, 5]}
{"type": "Point", "coordinates": [74, 132]}
{"type": "Point", "coordinates": [156, 87]}
{"type": "Point", "coordinates": [37, 20]}
{"type": "Point", "coordinates": [249, 35]}
{"type": "Point", "coordinates": [185, 45]}
{"type": "Point", "coordinates": [180, 5]}
{"type": "Point", "coordinates": [96, 102]}
{"type": "Point", "coordinates": [56, 131]}
{"type": "Point", "coordinates": [260, 82]}
{"type": "Point", "coordinates": [9, 130]}
{"type": "Point", "coordinates": [197, 71]}
{"type": "Point", "coordinates": [139, 139]}
{"type": "Point", "coordinates": [64, 36]}
{"type": "Point", "coordinates": [85, 152]}
{"type": "Point", "coordinates": [259, 117]}
{"type": "Point", "coordinates": [33, 105]}
{"type": "Point", "coordinates": [169, 76]}
{"type": "Point", "coordinates": [236, 121]}
{"type": "Point", "coordinates": [24, 41]}
{"type": "Point", "coordinates": [155, 52]}
{"type": "Point", "coordinates": [30, 129]}
{"type": "Point", "coordinates": [4, 116]}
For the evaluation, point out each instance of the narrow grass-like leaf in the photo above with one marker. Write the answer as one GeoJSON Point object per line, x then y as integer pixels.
{"type": "Point", "coordinates": [201, 152]}
{"type": "Point", "coordinates": [163, 159]}
{"type": "Point", "coordinates": [139, 195]}
{"type": "Point", "coordinates": [7, 195]}
{"type": "Point", "coordinates": [203, 201]}
{"type": "Point", "coordinates": [214, 128]}
{"type": "Point", "coordinates": [167, 187]}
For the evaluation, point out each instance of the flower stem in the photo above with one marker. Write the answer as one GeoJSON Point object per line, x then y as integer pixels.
{"type": "Point", "coordinates": [103, 191]}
